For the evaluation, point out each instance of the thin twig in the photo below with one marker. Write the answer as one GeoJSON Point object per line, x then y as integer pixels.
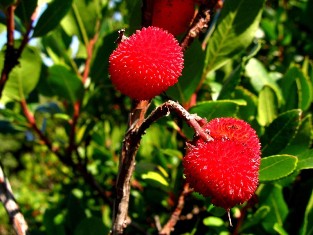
{"type": "Point", "coordinates": [169, 226]}
{"type": "Point", "coordinates": [7, 198]}
{"type": "Point", "coordinates": [131, 142]}
{"type": "Point", "coordinates": [200, 22]}
{"type": "Point", "coordinates": [12, 55]}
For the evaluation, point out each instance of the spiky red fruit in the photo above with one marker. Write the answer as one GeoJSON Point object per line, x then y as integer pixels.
{"type": "Point", "coordinates": [173, 15]}
{"type": "Point", "coordinates": [225, 169]}
{"type": "Point", "coordinates": [146, 64]}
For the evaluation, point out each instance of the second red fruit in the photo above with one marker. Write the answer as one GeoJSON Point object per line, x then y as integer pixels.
{"type": "Point", "coordinates": [227, 168]}
{"type": "Point", "coordinates": [173, 15]}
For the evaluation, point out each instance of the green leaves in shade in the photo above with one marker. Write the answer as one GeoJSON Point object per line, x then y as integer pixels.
{"type": "Point", "coordinates": [235, 30]}
{"type": "Point", "coordinates": [219, 108]}
{"type": "Point", "coordinates": [25, 9]}
{"type": "Point", "coordinates": [256, 218]}
{"type": "Point", "coordinates": [65, 84]}
{"type": "Point", "coordinates": [192, 72]}
{"type": "Point", "coordinates": [91, 226]}
{"type": "Point", "coordinates": [307, 227]}
{"type": "Point", "coordinates": [297, 89]}
{"type": "Point", "coordinates": [280, 132]}
{"type": "Point", "coordinates": [51, 17]}
{"type": "Point", "coordinates": [100, 65]}
{"type": "Point", "coordinates": [272, 196]}
{"type": "Point", "coordinates": [305, 160]}
{"type": "Point", "coordinates": [277, 166]}
{"type": "Point", "coordinates": [24, 77]}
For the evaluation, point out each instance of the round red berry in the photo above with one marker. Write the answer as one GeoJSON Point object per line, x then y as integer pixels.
{"type": "Point", "coordinates": [227, 168]}
{"type": "Point", "coordinates": [173, 15]}
{"type": "Point", "coordinates": [146, 64]}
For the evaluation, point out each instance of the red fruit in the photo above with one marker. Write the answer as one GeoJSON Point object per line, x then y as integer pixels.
{"type": "Point", "coordinates": [173, 15]}
{"type": "Point", "coordinates": [225, 169]}
{"type": "Point", "coordinates": [146, 64]}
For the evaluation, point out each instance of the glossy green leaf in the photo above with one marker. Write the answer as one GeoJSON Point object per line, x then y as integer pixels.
{"type": "Point", "coordinates": [267, 106]}
{"type": "Point", "coordinates": [307, 226]}
{"type": "Point", "coordinates": [24, 77]}
{"type": "Point", "coordinates": [305, 160]}
{"type": "Point", "coordinates": [280, 132]}
{"type": "Point", "coordinates": [297, 89]}
{"type": "Point", "coordinates": [91, 226]}
{"type": "Point", "coordinates": [277, 166]}
{"type": "Point", "coordinates": [302, 140]}
{"type": "Point", "coordinates": [272, 196]}
{"type": "Point", "coordinates": [219, 108]}
{"type": "Point", "coordinates": [279, 229]}
{"type": "Point", "coordinates": [191, 76]}
{"type": "Point", "coordinates": [65, 84]}
{"type": "Point", "coordinates": [51, 17]}
{"type": "Point", "coordinates": [234, 31]}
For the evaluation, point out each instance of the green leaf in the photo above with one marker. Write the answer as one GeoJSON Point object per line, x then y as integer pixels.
{"type": "Point", "coordinates": [259, 77]}
{"type": "Point", "coordinates": [213, 221]}
{"type": "Point", "coordinates": [99, 65]}
{"type": "Point", "coordinates": [51, 17]}
{"type": "Point", "coordinates": [277, 167]}
{"type": "Point", "coordinates": [297, 89]}
{"type": "Point", "coordinates": [280, 132]}
{"type": "Point", "coordinates": [305, 160]}
{"type": "Point", "coordinates": [247, 112]}
{"type": "Point", "coordinates": [230, 83]}
{"type": "Point", "coordinates": [191, 76]}
{"type": "Point", "coordinates": [267, 106]}
{"type": "Point", "coordinates": [256, 218]}
{"type": "Point", "coordinates": [91, 226]}
{"type": "Point", "coordinates": [307, 226]}
{"type": "Point", "coordinates": [65, 84]}
{"type": "Point", "coordinates": [302, 140]}
{"type": "Point", "coordinates": [235, 30]}
{"type": "Point", "coordinates": [279, 229]}
{"type": "Point", "coordinates": [219, 108]}
{"type": "Point", "coordinates": [82, 19]}
{"type": "Point", "coordinates": [25, 9]}
{"type": "Point", "coordinates": [272, 196]}
{"type": "Point", "coordinates": [24, 77]}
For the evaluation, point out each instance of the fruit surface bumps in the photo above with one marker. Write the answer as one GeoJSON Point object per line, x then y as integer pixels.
{"type": "Point", "coordinates": [225, 169]}
{"type": "Point", "coordinates": [146, 64]}
{"type": "Point", "coordinates": [173, 15]}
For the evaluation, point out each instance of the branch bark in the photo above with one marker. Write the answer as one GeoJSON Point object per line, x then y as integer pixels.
{"type": "Point", "coordinates": [7, 198]}
{"type": "Point", "coordinates": [138, 126]}
{"type": "Point", "coordinates": [200, 22]}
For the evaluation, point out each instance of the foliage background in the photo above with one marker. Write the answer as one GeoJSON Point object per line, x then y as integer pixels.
{"type": "Point", "coordinates": [255, 63]}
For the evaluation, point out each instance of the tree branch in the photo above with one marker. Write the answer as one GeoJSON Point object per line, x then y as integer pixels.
{"type": "Point", "coordinates": [130, 147]}
{"type": "Point", "coordinates": [169, 226]}
{"type": "Point", "coordinates": [200, 22]}
{"type": "Point", "coordinates": [7, 198]}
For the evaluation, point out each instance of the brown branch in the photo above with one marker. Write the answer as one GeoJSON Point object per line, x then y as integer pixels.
{"type": "Point", "coordinates": [7, 198]}
{"type": "Point", "coordinates": [12, 55]}
{"type": "Point", "coordinates": [138, 126]}
{"type": "Point", "coordinates": [200, 22]}
{"type": "Point", "coordinates": [169, 226]}
{"type": "Point", "coordinates": [127, 165]}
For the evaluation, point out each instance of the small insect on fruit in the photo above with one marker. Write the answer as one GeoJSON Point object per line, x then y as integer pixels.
{"type": "Point", "coordinates": [146, 64]}
{"type": "Point", "coordinates": [226, 168]}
